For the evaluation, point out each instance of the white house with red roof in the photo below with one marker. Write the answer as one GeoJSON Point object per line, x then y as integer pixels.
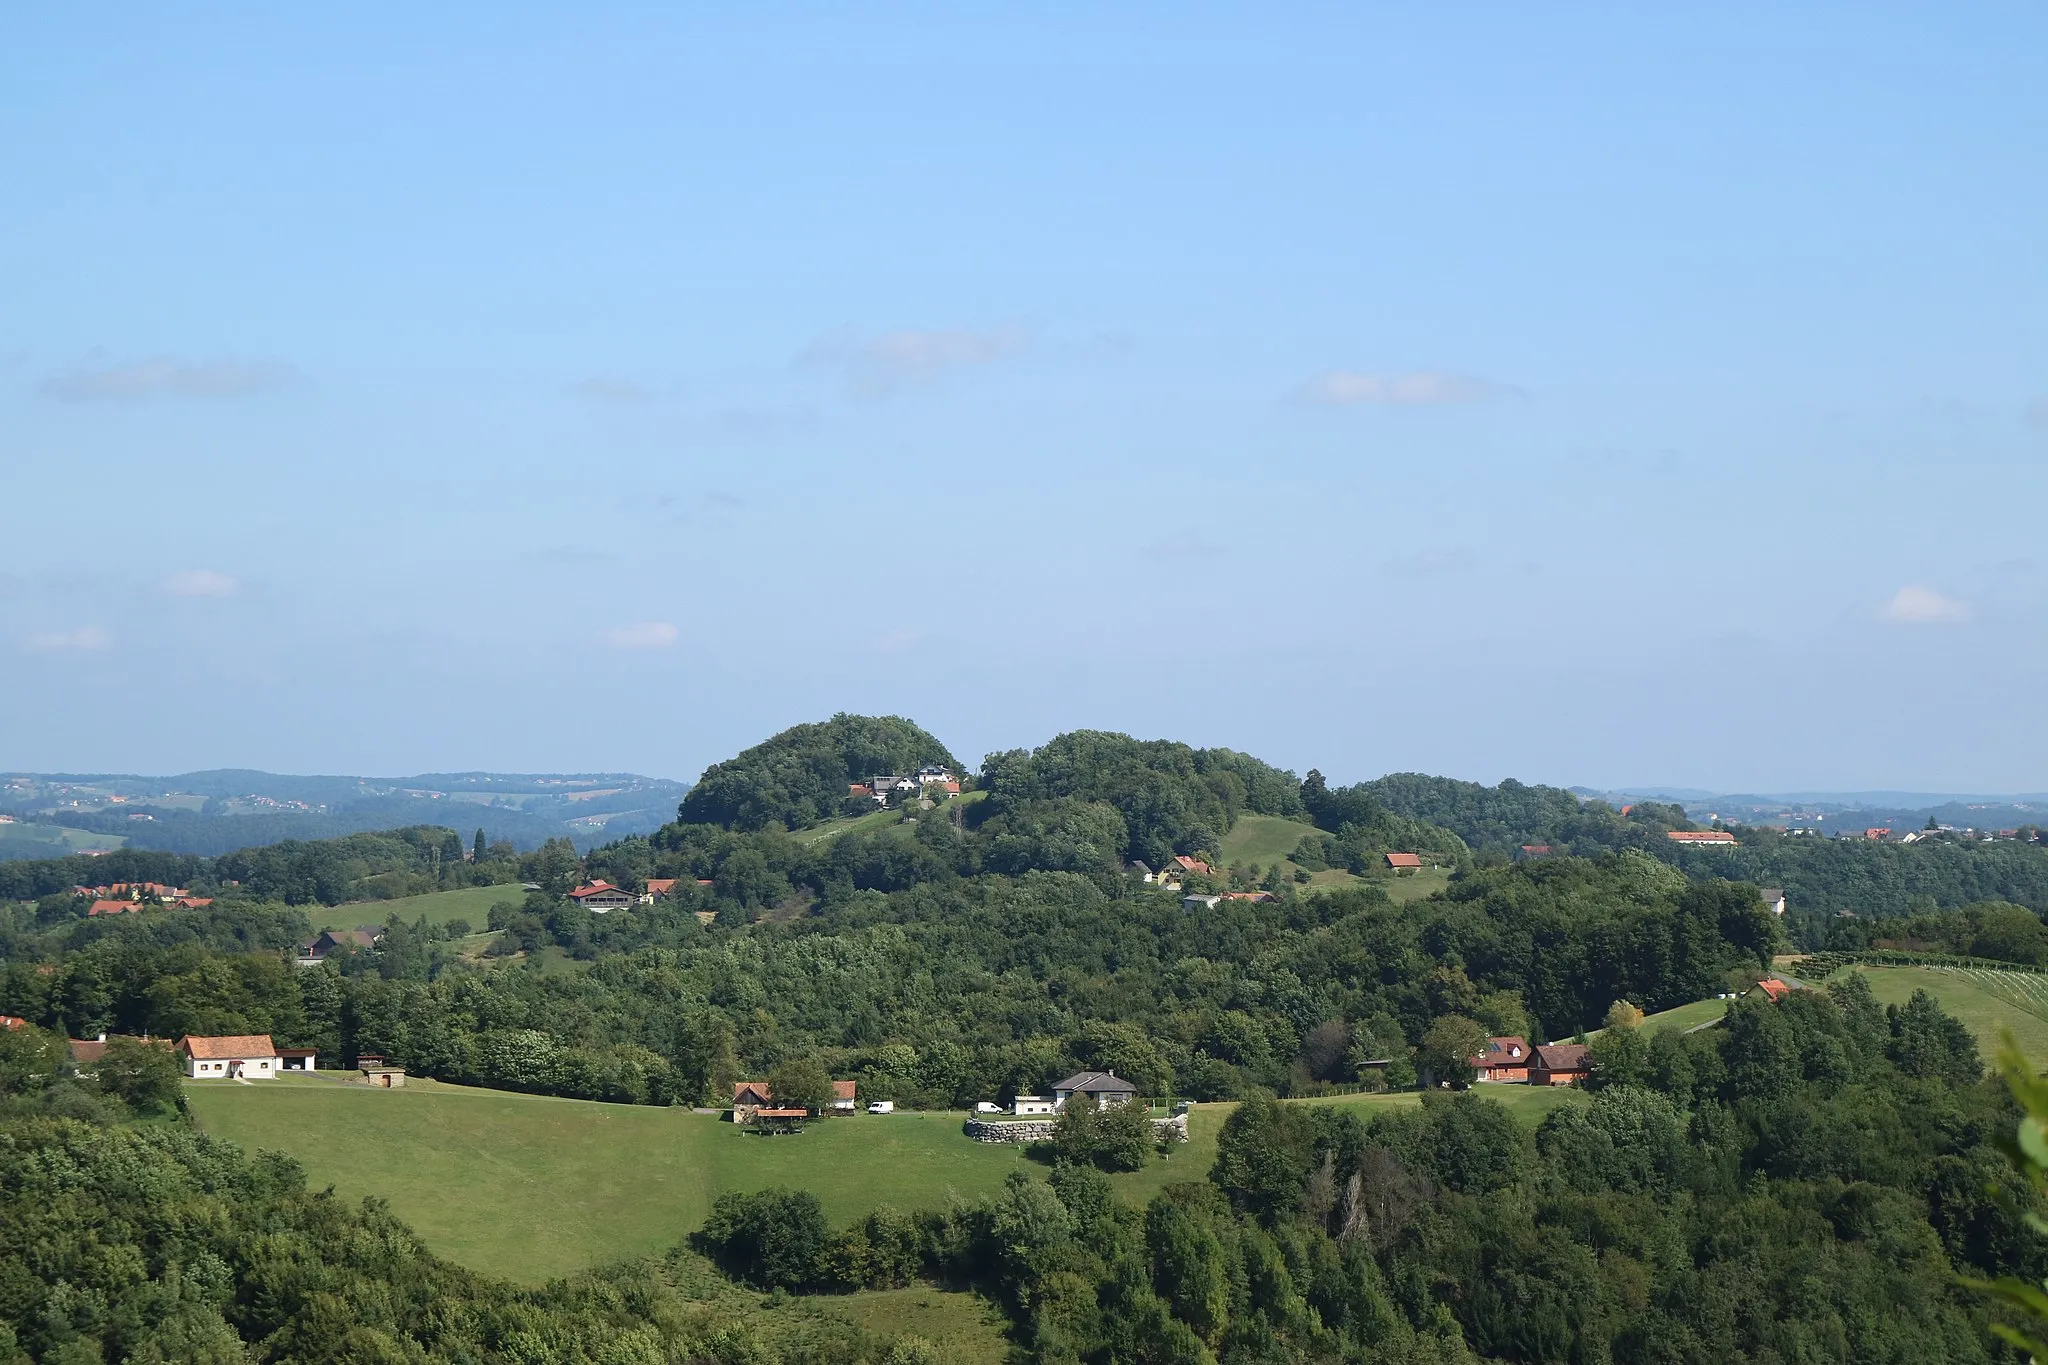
{"type": "Point", "coordinates": [235, 1057]}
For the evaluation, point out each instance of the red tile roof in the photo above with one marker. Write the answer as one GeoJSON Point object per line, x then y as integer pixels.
{"type": "Point", "coordinates": [12, 1021]}
{"type": "Point", "coordinates": [660, 886]}
{"type": "Point", "coordinates": [600, 887]}
{"type": "Point", "coordinates": [1561, 1057]}
{"type": "Point", "coordinates": [1404, 860]}
{"type": "Point", "coordinates": [234, 1048]}
{"type": "Point", "coordinates": [1507, 1050]}
{"type": "Point", "coordinates": [113, 908]}
{"type": "Point", "coordinates": [1774, 988]}
{"type": "Point", "coordinates": [1191, 864]}
{"type": "Point", "coordinates": [843, 1090]}
{"type": "Point", "coordinates": [1700, 836]}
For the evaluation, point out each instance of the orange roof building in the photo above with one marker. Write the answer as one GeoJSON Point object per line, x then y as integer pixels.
{"type": "Point", "coordinates": [231, 1057]}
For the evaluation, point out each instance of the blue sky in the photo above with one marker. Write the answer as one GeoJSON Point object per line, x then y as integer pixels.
{"type": "Point", "coordinates": [1596, 394]}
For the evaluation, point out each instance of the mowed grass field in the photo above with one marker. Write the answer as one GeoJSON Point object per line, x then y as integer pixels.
{"type": "Point", "coordinates": [20, 839]}
{"type": "Point", "coordinates": [472, 903]}
{"type": "Point", "coordinates": [1263, 840]}
{"type": "Point", "coordinates": [529, 1187]}
{"type": "Point", "coordinates": [1987, 1002]}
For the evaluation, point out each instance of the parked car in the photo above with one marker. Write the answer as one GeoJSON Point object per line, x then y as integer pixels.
{"type": "Point", "coordinates": [986, 1108]}
{"type": "Point", "coordinates": [882, 1107]}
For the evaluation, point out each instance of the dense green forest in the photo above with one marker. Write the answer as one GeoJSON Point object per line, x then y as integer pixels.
{"type": "Point", "coordinates": [800, 776]}
{"type": "Point", "coordinates": [941, 993]}
{"type": "Point", "coordinates": [1800, 1183]}
{"type": "Point", "coordinates": [1804, 1183]}
{"type": "Point", "coordinates": [355, 867]}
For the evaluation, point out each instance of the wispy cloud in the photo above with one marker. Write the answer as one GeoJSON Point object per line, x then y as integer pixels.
{"type": "Point", "coordinates": [641, 635]}
{"type": "Point", "coordinates": [1415, 389]}
{"type": "Point", "coordinates": [1429, 563]}
{"type": "Point", "coordinates": [169, 377]}
{"type": "Point", "coordinates": [604, 389]}
{"type": "Point", "coordinates": [1915, 605]}
{"type": "Point", "coordinates": [77, 640]}
{"type": "Point", "coordinates": [199, 583]}
{"type": "Point", "coordinates": [876, 365]}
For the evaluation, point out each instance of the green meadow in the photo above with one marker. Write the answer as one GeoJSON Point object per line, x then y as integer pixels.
{"type": "Point", "coordinates": [530, 1187]}
{"type": "Point", "coordinates": [1988, 1002]}
{"type": "Point", "coordinates": [472, 903]}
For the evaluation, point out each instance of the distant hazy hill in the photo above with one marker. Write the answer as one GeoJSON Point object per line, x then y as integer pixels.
{"type": "Point", "coordinates": [222, 809]}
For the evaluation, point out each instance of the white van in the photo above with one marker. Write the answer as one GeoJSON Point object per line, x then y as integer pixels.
{"type": "Point", "coordinates": [882, 1107]}
{"type": "Point", "coordinates": [984, 1107]}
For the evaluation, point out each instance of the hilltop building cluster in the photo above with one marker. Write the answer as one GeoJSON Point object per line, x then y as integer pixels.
{"type": "Point", "coordinates": [930, 780]}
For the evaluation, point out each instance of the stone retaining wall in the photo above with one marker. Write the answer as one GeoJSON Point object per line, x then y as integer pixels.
{"type": "Point", "coordinates": [1174, 1129]}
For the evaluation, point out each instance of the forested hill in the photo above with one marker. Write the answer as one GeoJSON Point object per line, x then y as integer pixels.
{"type": "Point", "coordinates": [801, 776]}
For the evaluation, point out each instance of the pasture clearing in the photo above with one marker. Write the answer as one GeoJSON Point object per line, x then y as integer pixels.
{"type": "Point", "coordinates": [472, 903]}
{"type": "Point", "coordinates": [966, 1329]}
{"type": "Point", "coordinates": [1987, 1001]}
{"type": "Point", "coordinates": [530, 1187]}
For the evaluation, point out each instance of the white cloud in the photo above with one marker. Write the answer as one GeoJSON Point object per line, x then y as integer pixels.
{"type": "Point", "coordinates": [1415, 389]}
{"type": "Point", "coordinates": [199, 583]}
{"type": "Point", "coordinates": [875, 365]}
{"type": "Point", "coordinates": [1914, 605]}
{"type": "Point", "coordinates": [169, 376]}
{"type": "Point", "coordinates": [641, 635]}
{"type": "Point", "coordinates": [599, 389]}
{"type": "Point", "coordinates": [78, 640]}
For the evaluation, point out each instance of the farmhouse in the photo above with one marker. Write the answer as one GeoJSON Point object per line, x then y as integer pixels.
{"type": "Point", "coordinates": [1404, 862]}
{"type": "Point", "coordinates": [1026, 1106]}
{"type": "Point", "coordinates": [12, 1021]}
{"type": "Point", "coordinates": [601, 897]}
{"type": "Point", "coordinates": [1505, 1059]}
{"type": "Point", "coordinates": [113, 907]}
{"type": "Point", "coordinates": [1774, 899]}
{"type": "Point", "coordinates": [1183, 863]}
{"type": "Point", "coordinates": [1559, 1064]}
{"type": "Point", "coordinates": [1701, 838]}
{"type": "Point", "coordinates": [753, 1100]}
{"type": "Point", "coordinates": [1106, 1088]}
{"type": "Point", "coordinates": [361, 939]}
{"type": "Point", "coordinates": [658, 889]}
{"type": "Point", "coordinates": [246, 1056]}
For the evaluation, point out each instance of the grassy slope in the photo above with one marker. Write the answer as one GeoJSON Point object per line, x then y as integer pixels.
{"type": "Point", "coordinates": [1986, 1002]}
{"type": "Point", "coordinates": [530, 1187]}
{"type": "Point", "coordinates": [53, 841]}
{"type": "Point", "coordinates": [967, 1330]}
{"type": "Point", "coordinates": [472, 903]}
{"type": "Point", "coordinates": [1263, 840]}
{"type": "Point", "coordinates": [570, 1183]}
{"type": "Point", "coordinates": [877, 820]}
